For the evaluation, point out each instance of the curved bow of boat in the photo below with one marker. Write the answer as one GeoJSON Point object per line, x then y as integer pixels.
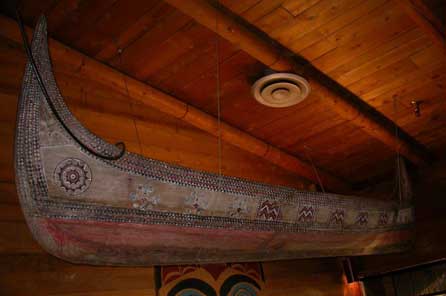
{"type": "Point", "coordinates": [139, 211]}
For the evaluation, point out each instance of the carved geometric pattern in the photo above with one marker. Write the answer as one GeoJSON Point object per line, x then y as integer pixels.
{"type": "Point", "coordinates": [73, 176]}
{"type": "Point", "coordinates": [306, 214]}
{"type": "Point", "coordinates": [337, 217]}
{"type": "Point", "coordinates": [362, 219]}
{"type": "Point", "coordinates": [269, 210]}
{"type": "Point", "coordinates": [383, 219]}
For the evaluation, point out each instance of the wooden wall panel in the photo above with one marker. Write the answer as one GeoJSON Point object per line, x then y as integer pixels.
{"type": "Point", "coordinates": [119, 17]}
{"type": "Point", "coordinates": [41, 274]}
{"type": "Point", "coordinates": [166, 39]}
{"type": "Point", "coordinates": [304, 277]}
{"type": "Point", "coordinates": [74, 18]}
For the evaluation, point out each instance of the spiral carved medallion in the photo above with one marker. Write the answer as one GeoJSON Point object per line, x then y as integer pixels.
{"type": "Point", "coordinates": [73, 176]}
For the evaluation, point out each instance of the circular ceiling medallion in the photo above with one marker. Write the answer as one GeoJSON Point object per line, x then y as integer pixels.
{"type": "Point", "coordinates": [280, 90]}
{"type": "Point", "coordinates": [73, 176]}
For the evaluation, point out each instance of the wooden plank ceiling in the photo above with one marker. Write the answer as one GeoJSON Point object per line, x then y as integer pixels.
{"type": "Point", "coordinates": [373, 48]}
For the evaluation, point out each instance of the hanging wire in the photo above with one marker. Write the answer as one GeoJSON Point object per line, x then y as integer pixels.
{"type": "Point", "coordinates": [120, 51]}
{"type": "Point", "coordinates": [398, 168]}
{"type": "Point", "coordinates": [53, 108]}
{"type": "Point", "coordinates": [218, 95]}
{"type": "Point", "coordinates": [219, 122]}
{"type": "Point", "coordinates": [315, 170]}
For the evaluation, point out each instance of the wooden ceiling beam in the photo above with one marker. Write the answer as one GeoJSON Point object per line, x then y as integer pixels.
{"type": "Point", "coordinates": [149, 96]}
{"type": "Point", "coordinates": [425, 19]}
{"type": "Point", "coordinates": [261, 47]}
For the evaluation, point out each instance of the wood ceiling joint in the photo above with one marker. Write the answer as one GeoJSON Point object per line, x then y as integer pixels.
{"type": "Point", "coordinates": [266, 50]}
{"type": "Point", "coordinates": [425, 19]}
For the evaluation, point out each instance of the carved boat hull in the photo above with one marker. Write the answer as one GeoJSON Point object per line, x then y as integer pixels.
{"type": "Point", "coordinates": [139, 211]}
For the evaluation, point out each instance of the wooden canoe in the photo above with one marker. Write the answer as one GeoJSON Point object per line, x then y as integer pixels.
{"type": "Point", "coordinates": [85, 203]}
